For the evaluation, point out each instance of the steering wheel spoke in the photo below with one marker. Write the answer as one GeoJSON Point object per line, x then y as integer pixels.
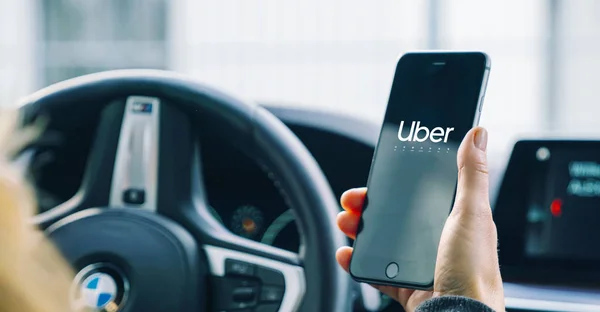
{"type": "Point", "coordinates": [95, 187]}
{"type": "Point", "coordinates": [135, 171]}
{"type": "Point", "coordinates": [141, 158]}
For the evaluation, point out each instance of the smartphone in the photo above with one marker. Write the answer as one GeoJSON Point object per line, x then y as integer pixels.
{"type": "Point", "coordinates": [436, 98]}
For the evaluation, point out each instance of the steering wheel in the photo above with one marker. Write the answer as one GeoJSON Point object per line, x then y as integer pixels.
{"type": "Point", "coordinates": [139, 232]}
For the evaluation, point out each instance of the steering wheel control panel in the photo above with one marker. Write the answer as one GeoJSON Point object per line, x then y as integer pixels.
{"type": "Point", "coordinates": [247, 286]}
{"type": "Point", "coordinates": [134, 182]}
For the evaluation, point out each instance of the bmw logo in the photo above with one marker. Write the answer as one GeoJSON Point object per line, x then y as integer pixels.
{"type": "Point", "coordinates": [99, 288]}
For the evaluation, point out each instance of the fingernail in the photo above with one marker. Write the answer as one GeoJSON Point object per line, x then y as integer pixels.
{"type": "Point", "coordinates": [481, 138]}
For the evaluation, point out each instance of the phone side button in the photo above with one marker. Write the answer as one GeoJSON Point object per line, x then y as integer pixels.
{"type": "Point", "coordinates": [392, 270]}
{"type": "Point", "coordinates": [481, 103]}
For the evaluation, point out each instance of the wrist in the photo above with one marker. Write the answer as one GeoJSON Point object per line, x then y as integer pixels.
{"type": "Point", "coordinates": [489, 293]}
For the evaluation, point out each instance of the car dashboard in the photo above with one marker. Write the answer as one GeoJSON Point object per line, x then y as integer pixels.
{"type": "Point", "coordinates": [247, 199]}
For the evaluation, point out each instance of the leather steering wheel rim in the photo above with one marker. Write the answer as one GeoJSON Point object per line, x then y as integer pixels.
{"type": "Point", "coordinates": [248, 126]}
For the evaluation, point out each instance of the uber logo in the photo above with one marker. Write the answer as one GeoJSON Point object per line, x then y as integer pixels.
{"type": "Point", "coordinates": [420, 133]}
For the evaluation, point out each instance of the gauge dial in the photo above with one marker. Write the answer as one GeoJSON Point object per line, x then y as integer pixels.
{"type": "Point", "coordinates": [247, 221]}
{"type": "Point", "coordinates": [277, 226]}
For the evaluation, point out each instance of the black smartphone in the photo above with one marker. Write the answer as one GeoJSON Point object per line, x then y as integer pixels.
{"type": "Point", "coordinates": [436, 98]}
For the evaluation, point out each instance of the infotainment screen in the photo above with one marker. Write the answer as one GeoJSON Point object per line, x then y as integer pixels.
{"type": "Point", "coordinates": [563, 212]}
{"type": "Point", "coordinates": [548, 212]}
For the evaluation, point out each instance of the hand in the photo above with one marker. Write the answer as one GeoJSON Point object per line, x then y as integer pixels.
{"type": "Point", "coordinates": [467, 260]}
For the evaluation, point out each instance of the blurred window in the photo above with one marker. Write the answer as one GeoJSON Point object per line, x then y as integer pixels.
{"type": "Point", "coordinates": [82, 37]}
{"type": "Point", "coordinates": [336, 55]}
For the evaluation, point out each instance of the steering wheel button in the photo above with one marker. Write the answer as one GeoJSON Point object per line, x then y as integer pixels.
{"type": "Point", "coordinates": [232, 293]}
{"type": "Point", "coordinates": [134, 196]}
{"type": "Point", "coordinates": [271, 294]}
{"type": "Point", "coordinates": [234, 267]}
{"type": "Point", "coordinates": [270, 277]}
{"type": "Point", "coordinates": [244, 294]}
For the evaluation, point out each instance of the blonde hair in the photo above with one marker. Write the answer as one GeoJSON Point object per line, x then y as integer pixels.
{"type": "Point", "coordinates": [33, 275]}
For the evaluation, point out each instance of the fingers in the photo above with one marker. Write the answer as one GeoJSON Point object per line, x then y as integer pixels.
{"type": "Point", "coordinates": [473, 184]}
{"type": "Point", "coordinates": [348, 223]}
{"type": "Point", "coordinates": [352, 200]}
{"type": "Point", "coordinates": [343, 255]}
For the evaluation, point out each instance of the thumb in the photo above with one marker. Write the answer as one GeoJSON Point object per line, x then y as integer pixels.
{"type": "Point", "coordinates": [473, 182]}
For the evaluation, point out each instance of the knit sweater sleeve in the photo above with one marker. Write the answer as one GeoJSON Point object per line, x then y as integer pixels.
{"type": "Point", "coordinates": [453, 304]}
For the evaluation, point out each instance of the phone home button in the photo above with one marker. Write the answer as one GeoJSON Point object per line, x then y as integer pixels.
{"type": "Point", "coordinates": [391, 270]}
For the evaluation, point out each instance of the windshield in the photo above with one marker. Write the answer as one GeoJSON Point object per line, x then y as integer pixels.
{"type": "Point", "coordinates": [336, 56]}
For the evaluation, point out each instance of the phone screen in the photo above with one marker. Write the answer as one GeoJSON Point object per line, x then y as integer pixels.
{"type": "Point", "coordinates": [433, 104]}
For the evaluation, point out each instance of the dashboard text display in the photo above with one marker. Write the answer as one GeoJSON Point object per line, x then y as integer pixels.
{"type": "Point", "coordinates": [585, 179]}
{"type": "Point", "coordinates": [565, 208]}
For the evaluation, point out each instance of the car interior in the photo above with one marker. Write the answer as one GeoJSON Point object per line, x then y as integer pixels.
{"type": "Point", "coordinates": [200, 194]}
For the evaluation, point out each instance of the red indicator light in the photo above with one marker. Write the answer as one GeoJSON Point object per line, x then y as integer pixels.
{"type": "Point", "coordinates": [556, 207]}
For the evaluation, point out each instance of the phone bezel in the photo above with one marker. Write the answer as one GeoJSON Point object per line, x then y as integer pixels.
{"type": "Point", "coordinates": [440, 56]}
